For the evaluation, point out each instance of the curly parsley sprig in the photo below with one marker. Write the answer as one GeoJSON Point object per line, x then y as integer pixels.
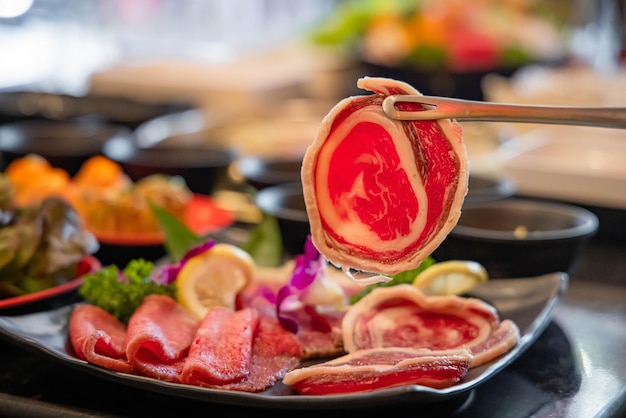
{"type": "Point", "coordinates": [121, 292]}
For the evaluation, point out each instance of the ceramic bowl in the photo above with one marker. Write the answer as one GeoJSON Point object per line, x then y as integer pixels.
{"type": "Point", "coordinates": [28, 105]}
{"type": "Point", "coordinates": [486, 188]}
{"type": "Point", "coordinates": [262, 172]}
{"type": "Point", "coordinates": [285, 202]}
{"type": "Point", "coordinates": [65, 144]}
{"type": "Point", "coordinates": [520, 237]}
{"type": "Point", "coordinates": [459, 84]}
{"type": "Point", "coordinates": [201, 167]}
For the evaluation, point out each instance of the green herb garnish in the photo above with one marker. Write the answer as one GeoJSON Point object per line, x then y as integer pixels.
{"type": "Point", "coordinates": [121, 294]}
{"type": "Point", "coordinates": [178, 237]}
{"type": "Point", "coordinates": [400, 278]}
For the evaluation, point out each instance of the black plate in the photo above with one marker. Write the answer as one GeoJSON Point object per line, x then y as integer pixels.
{"type": "Point", "coordinates": [527, 301]}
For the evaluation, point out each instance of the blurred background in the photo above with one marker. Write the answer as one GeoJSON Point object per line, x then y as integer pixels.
{"type": "Point", "coordinates": [255, 77]}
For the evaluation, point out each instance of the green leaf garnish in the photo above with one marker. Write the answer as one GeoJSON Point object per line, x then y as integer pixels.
{"type": "Point", "coordinates": [265, 243]}
{"type": "Point", "coordinates": [178, 237]}
{"type": "Point", "coordinates": [400, 278]}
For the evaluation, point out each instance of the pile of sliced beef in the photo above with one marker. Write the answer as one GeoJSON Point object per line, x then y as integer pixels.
{"type": "Point", "coordinates": [394, 336]}
{"type": "Point", "coordinates": [381, 195]}
{"type": "Point", "coordinates": [397, 336]}
{"type": "Point", "coordinates": [238, 350]}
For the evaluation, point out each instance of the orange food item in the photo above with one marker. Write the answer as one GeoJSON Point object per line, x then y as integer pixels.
{"type": "Point", "coordinates": [126, 209]}
{"type": "Point", "coordinates": [99, 179]}
{"type": "Point", "coordinates": [100, 172]}
{"type": "Point", "coordinates": [428, 28]}
{"type": "Point", "coordinates": [387, 38]}
{"type": "Point", "coordinates": [34, 179]}
{"type": "Point", "coordinates": [105, 197]}
{"type": "Point", "coordinates": [20, 169]}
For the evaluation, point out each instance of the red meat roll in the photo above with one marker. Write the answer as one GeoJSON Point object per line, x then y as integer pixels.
{"type": "Point", "coordinates": [381, 194]}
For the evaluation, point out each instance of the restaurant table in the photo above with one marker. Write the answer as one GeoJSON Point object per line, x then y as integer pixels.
{"type": "Point", "coordinates": [576, 368]}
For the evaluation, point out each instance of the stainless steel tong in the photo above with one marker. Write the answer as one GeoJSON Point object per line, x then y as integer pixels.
{"type": "Point", "coordinates": [445, 108]}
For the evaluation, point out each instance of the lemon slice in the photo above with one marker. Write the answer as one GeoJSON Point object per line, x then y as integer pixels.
{"type": "Point", "coordinates": [213, 278]}
{"type": "Point", "coordinates": [452, 277]}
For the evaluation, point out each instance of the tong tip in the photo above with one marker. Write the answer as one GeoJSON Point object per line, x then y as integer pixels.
{"type": "Point", "coordinates": [389, 107]}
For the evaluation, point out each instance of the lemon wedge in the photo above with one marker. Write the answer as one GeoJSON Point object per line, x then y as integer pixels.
{"type": "Point", "coordinates": [213, 278]}
{"type": "Point", "coordinates": [452, 277]}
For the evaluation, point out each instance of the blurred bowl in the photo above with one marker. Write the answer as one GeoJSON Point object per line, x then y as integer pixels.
{"type": "Point", "coordinates": [262, 172]}
{"type": "Point", "coordinates": [285, 202]}
{"type": "Point", "coordinates": [520, 237]}
{"type": "Point", "coordinates": [459, 84]}
{"type": "Point", "coordinates": [27, 104]}
{"type": "Point", "coordinates": [65, 144]}
{"type": "Point", "coordinates": [483, 188]}
{"type": "Point", "coordinates": [201, 167]}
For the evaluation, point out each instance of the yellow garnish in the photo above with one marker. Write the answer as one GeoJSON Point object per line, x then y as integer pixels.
{"type": "Point", "coordinates": [213, 278]}
{"type": "Point", "coordinates": [452, 277]}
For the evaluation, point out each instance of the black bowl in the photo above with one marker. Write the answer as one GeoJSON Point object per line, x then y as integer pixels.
{"type": "Point", "coordinates": [262, 172]}
{"type": "Point", "coordinates": [122, 254]}
{"type": "Point", "coordinates": [437, 82]}
{"type": "Point", "coordinates": [285, 202]}
{"type": "Point", "coordinates": [520, 237]}
{"type": "Point", "coordinates": [201, 167]}
{"type": "Point", "coordinates": [65, 144]}
{"type": "Point", "coordinates": [484, 188]}
{"type": "Point", "coordinates": [25, 105]}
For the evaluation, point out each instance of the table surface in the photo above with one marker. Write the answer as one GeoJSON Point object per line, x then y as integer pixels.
{"type": "Point", "coordinates": [576, 368]}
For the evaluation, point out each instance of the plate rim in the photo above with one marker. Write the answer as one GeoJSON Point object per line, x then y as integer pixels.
{"type": "Point", "coordinates": [23, 300]}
